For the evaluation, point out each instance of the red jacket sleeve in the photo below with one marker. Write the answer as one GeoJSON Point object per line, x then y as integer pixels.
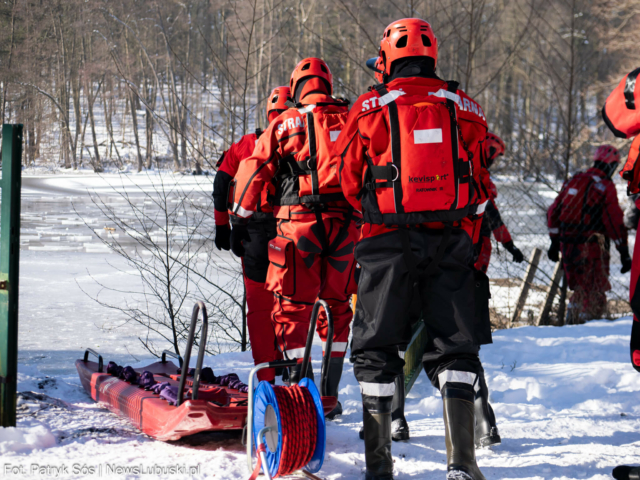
{"type": "Point", "coordinates": [284, 136]}
{"type": "Point", "coordinates": [348, 156]}
{"type": "Point", "coordinates": [252, 174]}
{"type": "Point", "coordinates": [227, 169]}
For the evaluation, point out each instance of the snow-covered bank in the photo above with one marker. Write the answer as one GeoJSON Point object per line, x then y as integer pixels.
{"type": "Point", "coordinates": [566, 401]}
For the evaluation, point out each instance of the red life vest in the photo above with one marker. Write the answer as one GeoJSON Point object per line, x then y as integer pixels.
{"type": "Point", "coordinates": [425, 174]}
{"type": "Point", "coordinates": [621, 111]}
{"type": "Point", "coordinates": [581, 205]}
{"type": "Point", "coordinates": [307, 176]}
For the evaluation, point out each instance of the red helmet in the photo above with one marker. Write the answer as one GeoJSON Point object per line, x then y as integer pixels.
{"type": "Point", "coordinates": [409, 37]}
{"type": "Point", "coordinates": [375, 64]}
{"type": "Point", "coordinates": [277, 99]}
{"type": "Point", "coordinates": [493, 147]}
{"type": "Point", "coordinates": [310, 67]}
{"type": "Point", "coordinates": [378, 72]}
{"type": "Point", "coordinates": [607, 154]}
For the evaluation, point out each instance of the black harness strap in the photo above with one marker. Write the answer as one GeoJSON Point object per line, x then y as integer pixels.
{"type": "Point", "coordinates": [455, 154]}
{"type": "Point", "coordinates": [396, 150]}
{"type": "Point", "coordinates": [312, 161]}
{"type": "Point", "coordinates": [323, 231]}
{"type": "Point", "coordinates": [629, 89]}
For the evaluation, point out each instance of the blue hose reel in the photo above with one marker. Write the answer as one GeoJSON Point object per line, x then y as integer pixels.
{"type": "Point", "coordinates": [267, 414]}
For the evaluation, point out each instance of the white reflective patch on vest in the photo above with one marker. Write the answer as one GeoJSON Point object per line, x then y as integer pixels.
{"type": "Point", "coordinates": [554, 230]}
{"type": "Point", "coordinates": [390, 97]}
{"type": "Point", "coordinates": [431, 135]}
{"type": "Point", "coordinates": [307, 109]}
{"type": "Point", "coordinates": [334, 134]}
{"type": "Point", "coordinates": [378, 389]}
{"type": "Point", "coordinates": [572, 191]}
{"type": "Point", "coordinates": [450, 95]}
{"type": "Point", "coordinates": [241, 212]}
{"type": "Point", "coordinates": [256, 142]}
{"type": "Point", "coordinates": [456, 376]}
{"type": "Point", "coordinates": [482, 207]}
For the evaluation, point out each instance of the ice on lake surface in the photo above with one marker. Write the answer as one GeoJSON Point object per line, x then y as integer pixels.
{"type": "Point", "coordinates": [65, 263]}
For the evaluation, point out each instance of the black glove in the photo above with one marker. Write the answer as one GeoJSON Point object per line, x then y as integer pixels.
{"type": "Point", "coordinates": [518, 256]}
{"type": "Point", "coordinates": [554, 250]}
{"type": "Point", "coordinates": [222, 240]}
{"type": "Point", "coordinates": [625, 259]}
{"type": "Point", "coordinates": [238, 234]}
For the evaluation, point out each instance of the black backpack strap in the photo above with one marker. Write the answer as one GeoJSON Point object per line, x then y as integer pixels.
{"type": "Point", "coordinates": [396, 151]}
{"type": "Point", "coordinates": [312, 161]}
{"type": "Point", "coordinates": [452, 87]}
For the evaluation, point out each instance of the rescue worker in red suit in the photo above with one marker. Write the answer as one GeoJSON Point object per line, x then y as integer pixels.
{"type": "Point", "coordinates": [582, 221]}
{"type": "Point", "coordinates": [492, 221]}
{"type": "Point", "coordinates": [261, 229]}
{"type": "Point", "coordinates": [621, 114]}
{"type": "Point", "coordinates": [312, 255]}
{"type": "Point", "coordinates": [486, 431]}
{"type": "Point", "coordinates": [409, 159]}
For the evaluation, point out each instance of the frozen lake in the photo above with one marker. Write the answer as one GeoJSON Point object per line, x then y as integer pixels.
{"type": "Point", "coordinates": [65, 262]}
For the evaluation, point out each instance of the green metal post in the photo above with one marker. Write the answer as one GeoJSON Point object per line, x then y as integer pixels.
{"type": "Point", "coordinates": [9, 270]}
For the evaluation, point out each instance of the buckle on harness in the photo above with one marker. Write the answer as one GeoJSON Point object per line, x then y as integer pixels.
{"type": "Point", "coordinates": [309, 166]}
{"type": "Point", "coordinates": [397, 173]}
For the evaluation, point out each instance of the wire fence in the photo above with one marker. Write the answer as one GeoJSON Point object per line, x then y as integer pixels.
{"type": "Point", "coordinates": [540, 300]}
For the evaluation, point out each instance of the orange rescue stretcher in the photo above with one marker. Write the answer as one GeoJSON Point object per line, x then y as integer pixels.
{"type": "Point", "coordinates": [210, 407]}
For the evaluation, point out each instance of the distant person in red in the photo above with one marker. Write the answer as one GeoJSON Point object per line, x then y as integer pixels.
{"type": "Point", "coordinates": [582, 221]}
{"type": "Point", "coordinates": [492, 221]}
{"type": "Point", "coordinates": [261, 229]}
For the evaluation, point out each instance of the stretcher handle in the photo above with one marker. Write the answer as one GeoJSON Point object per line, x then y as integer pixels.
{"type": "Point", "coordinates": [169, 353]}
{"type": "Point", "coordinates": [93, 352]}
{"type": "Point", "coordinates": [198, 307]}
{"type": "Point", "coordinates": [328, 346]}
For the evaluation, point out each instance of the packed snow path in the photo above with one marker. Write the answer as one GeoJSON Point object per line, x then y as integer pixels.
{"type": "Point", "coordinates": [566, 400]}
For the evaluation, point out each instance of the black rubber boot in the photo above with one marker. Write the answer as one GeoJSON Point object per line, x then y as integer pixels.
{"type": "Point", "coordinates": [294, 373]}
{"type": "Point", "coordinates": [333, 384]}
{"type": "Point", "coordinates": [486, 428]}
{"type": "Point", "coordinates": [459, 422]}
{"type": "Point", "coordinates": [624, 472]}
{"type": "Point", "coordinates": [399, 425]}
{"type": "Point", "coordinates": [376, 418]}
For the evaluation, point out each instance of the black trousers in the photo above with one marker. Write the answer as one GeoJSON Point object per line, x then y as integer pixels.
{"type": "Point", "coordinates": [256, 256]}
{"type": "Point", "coordinates": [387, 292]}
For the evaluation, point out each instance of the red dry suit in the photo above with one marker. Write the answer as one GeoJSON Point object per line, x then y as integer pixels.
{"type": "Point", "coordinates": [491, 222]}
{"type": "Point", "coordinates": [409, 158]}
{"type": "Point", "coordinates": [261, 230]}
{"type": "Point", "coordinates": [585, 217]}
{"type": "Point", "coordinates": [312, 255]}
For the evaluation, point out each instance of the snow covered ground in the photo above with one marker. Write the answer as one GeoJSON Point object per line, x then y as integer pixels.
{"type": "Point", "coordinates": [566, 400]}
